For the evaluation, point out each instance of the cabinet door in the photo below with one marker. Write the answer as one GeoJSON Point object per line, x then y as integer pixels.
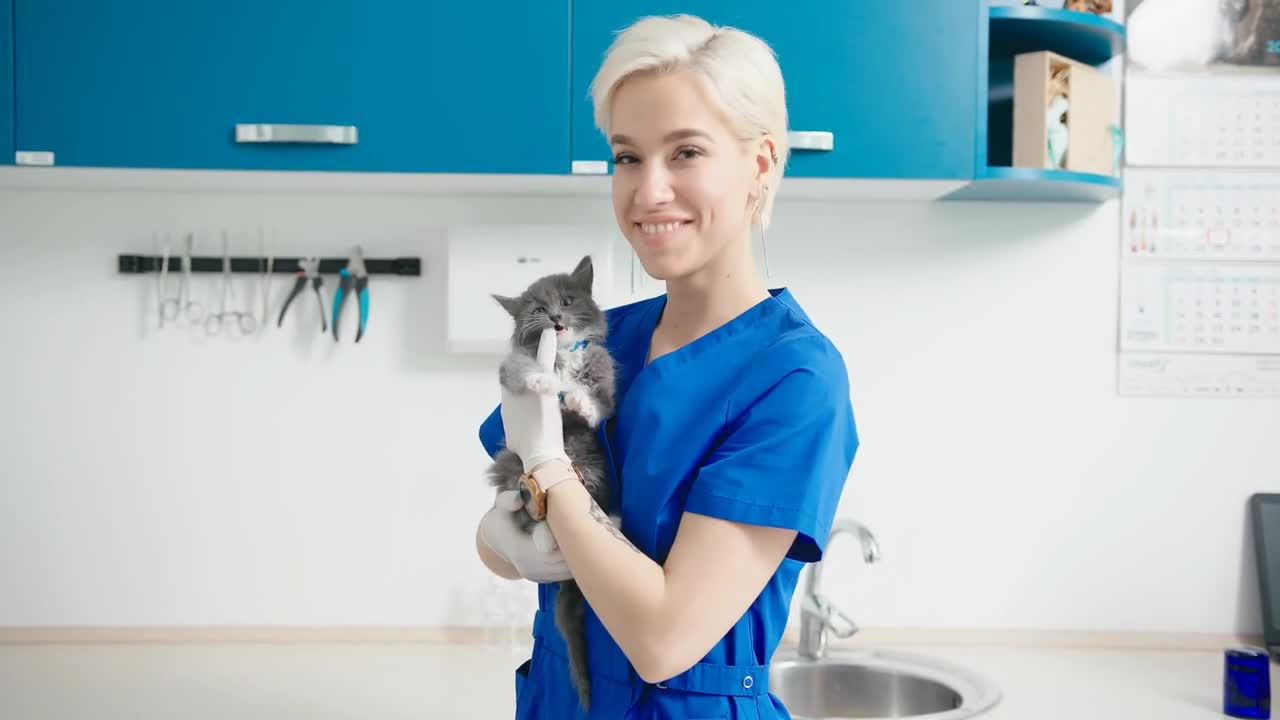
{"type": "Point", "coordinates": [6, 82]}
{"type": "Point", "coordinates": [895, 83]}
{"type": "Point", "coordinates": [477, 87]}
{"type": "Point", "coordinates": [442, 87]}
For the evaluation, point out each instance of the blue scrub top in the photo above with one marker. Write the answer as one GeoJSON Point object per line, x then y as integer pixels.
{"type": "Point", "coordinates": [751, 423]}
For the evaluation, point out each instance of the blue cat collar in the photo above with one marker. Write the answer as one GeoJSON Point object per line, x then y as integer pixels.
{"type": "Point", "coordinates": [580, 345]}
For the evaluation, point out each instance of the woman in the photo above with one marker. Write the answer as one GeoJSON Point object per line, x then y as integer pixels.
{"type": "Point", "coordinates": [734, 433]}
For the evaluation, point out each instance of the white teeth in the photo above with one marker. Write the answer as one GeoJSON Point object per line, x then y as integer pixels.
{"type": "Point", "coordinates": [652, 229]}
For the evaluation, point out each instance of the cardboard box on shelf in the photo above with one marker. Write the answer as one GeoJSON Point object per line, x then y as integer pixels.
{"type": "Point", "coordinates": [1063, 115]}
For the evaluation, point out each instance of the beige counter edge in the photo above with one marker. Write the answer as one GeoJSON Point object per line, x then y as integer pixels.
{"type": "Point", "coordinates": [470, 635]}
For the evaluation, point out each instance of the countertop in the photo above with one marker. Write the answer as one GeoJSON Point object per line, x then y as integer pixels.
{"type": "Point", "coordinates": [376, 681]}
{"type": "Point", "coordinates": [1096, 684]}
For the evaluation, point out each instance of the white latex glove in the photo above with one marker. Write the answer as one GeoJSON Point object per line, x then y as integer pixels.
{"type": "Point", "coordinates": [500, 530]}
{"type": "Point", "coordinates": [532, 420]}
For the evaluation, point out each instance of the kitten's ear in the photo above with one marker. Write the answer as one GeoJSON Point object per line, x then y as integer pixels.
{"type": "Point", "coordinates": [511, 305]}
{"type": "Point", "coordinates": [582, 275]}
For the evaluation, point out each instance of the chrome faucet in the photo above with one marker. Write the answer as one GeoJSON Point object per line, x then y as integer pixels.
{"type": "Point", "coordinates": [817, 614]}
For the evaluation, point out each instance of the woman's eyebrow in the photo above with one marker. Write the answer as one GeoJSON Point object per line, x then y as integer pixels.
{"type": "Point", "coordinates": [674, 135]}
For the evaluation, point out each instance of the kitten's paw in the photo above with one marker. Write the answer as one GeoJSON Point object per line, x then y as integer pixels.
{"type": "Point", "coordinates": [543, 540]}
{"type": "Point", "coordinates": [541, 383]}
{"type": "Point", "coordinates": [580, 401]}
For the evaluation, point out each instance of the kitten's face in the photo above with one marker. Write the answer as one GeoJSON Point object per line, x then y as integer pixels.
{"type": "Point", "coordinates": [559, 301]}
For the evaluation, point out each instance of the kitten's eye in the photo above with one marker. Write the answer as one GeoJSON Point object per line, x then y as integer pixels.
{"type": "Point", "coordinates": [567, 301]}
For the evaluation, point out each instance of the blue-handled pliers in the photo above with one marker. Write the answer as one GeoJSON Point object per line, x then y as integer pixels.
{"type": "Point", "coordinates": [355, 279]}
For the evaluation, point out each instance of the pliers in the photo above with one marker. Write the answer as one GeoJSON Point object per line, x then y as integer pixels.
{"type": "Point", "coordinates": [355, 279]}
{"type": "Point", "coordinates": [308, 269]}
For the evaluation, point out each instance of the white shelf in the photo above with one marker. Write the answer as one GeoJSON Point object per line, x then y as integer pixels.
{"type": "Point", "coordinates": [75, 178]}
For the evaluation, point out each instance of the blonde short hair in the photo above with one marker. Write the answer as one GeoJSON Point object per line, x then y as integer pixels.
{"type": "Point", "coordinates": [739, 69]}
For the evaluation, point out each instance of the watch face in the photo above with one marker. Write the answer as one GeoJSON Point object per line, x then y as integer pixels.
{"type": "Point", "coordinates": [526, 495]}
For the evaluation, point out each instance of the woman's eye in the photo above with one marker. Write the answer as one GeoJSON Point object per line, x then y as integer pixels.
{"type": "Point", "coordinates": [688, 153]}
{"type": "Point", "coordinates": [567, 301]}
{"type": "Point", "coordinates": [624, 159]}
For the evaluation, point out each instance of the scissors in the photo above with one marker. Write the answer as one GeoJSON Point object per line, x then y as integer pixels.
{"type": "Point", "coordinates": [268, 269]}
{"type": "Point", "coordinates": [171, 308]}
{"type": "Point", "coordinates": [213, 323]}
{"type": "Point", "coordinates": [162, 276]}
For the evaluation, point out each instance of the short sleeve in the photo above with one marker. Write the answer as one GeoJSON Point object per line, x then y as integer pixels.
{"type": "Point", "coordinates": [785, 455]}
{"type": "Point", "coordinates": [492, 435]}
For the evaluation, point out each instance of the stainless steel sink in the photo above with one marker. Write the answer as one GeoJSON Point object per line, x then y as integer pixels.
{"type": "Point", "coordinates": [877, 684]}
{"type": "Point", "coordinates": [817, 683]}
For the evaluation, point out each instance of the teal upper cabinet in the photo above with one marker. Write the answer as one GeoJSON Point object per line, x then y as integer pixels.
{"type": "Point", "coordinates": [6, 82]}
{"type": "Point", "coordinates": [394, 85]}
{"type": "Point", "coordinates": [895, 83]}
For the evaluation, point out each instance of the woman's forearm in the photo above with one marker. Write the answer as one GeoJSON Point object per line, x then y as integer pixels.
{"type": "Point", "coordinates": [626, 589]}
{"type": "Point", "coordinates": [665, 617]}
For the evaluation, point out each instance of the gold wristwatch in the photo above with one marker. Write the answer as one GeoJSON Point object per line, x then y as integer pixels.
{"type": "Point", "coordinates": [534, 494]}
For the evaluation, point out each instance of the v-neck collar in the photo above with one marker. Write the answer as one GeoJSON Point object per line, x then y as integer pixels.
{"type": "Point", "coordinates": [777, 297]}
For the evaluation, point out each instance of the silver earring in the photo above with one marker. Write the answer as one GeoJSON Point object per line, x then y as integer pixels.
{"type": "Point", "coordinates": [764, 246]}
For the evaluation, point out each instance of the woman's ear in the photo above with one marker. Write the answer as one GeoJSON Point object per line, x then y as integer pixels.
{"type": "Point", "coordinates": [766, 158]}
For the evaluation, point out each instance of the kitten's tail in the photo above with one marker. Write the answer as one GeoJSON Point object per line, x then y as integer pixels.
{"type": "Point", "coordinates": [570, 618]}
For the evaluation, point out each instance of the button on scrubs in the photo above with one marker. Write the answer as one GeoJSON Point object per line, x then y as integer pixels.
{"type": "Point", "coordinates": [749, 423]}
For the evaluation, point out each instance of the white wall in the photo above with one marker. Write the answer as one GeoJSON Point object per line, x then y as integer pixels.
{"type": "Point", "coordinates": [172, 479]}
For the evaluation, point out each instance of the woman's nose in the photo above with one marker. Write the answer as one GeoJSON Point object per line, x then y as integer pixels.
{"type": "Point", "coordinates": [655, 186]}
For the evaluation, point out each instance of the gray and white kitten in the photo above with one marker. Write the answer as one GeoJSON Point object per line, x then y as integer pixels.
{"type": "Point", "coordinates": [584, 377]}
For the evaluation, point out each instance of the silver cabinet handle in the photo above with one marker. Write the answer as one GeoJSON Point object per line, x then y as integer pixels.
{"type": "Point", "coordinates": [589, 167]}
{"type": "Point", "coordinates": [811, 140]}
{"type": "Point", "coordinates": [285, 133]}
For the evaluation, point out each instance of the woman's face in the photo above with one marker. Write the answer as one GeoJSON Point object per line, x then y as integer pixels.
{"type": "Point", "coordinates": [684, 187]}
